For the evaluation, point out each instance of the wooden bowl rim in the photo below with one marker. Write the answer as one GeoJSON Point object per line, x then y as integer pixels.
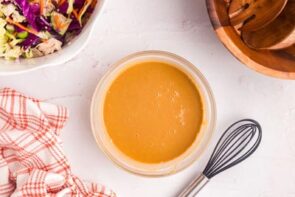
{"type": "Point", "coordinates": [238, 53]}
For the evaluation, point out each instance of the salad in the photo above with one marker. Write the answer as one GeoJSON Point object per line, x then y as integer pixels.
{"type": "Point", "coordinates": [34, 28]}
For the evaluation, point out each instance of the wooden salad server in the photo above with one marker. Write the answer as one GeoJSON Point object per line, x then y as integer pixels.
{"type": "Point", "coordinates": [290, 51]}
{"type": "Point", "coordinates": [278, 34]}
{"type": "Point", "coordinates": [251, 15]}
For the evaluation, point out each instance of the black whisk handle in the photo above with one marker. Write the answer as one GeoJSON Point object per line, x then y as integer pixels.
{"type": "Point", "coordinates": [194, 187]}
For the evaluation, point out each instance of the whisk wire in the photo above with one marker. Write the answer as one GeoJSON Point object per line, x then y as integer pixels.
{"type": "Point", "coordinates": [234, 146]}
{"type": "Point", "coordinates": [245, 156]}
{"type": "Point", "coordinates": [220, 146]}
{"type": "Point", "coordinates": [250, 151]}
{"type": "Point", "coordinates": [223, 146]}
{"type": "Point", "coordinates": [231, 151]}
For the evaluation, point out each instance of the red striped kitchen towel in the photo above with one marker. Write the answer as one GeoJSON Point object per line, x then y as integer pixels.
{"type": "Point", "coordinates": [32, 162]}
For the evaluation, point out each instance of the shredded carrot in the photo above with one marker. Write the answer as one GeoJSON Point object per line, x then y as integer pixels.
{"type": "Point", "coordinates": [59, 24]}
{"type": "Point", "coordinates": [83, 9]}
{"type": "Point", "coordinates": [93, 4]}
{"type": "Point", "coordinates": [32, 31]}
{"type": "Point", "coordinates": [75, 13]}
{"type": "Point", "coordinates": [42, 6]}
{"type": "Point", "coordinates": [34, 1]}
{"type": "Point", "coordinates": [56, 21]}
{"type": "Point", "coordinates": [61, 2]}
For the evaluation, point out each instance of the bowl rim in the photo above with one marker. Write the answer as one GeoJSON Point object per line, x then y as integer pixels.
{"type": "Point", "coordinates": [237, 53]}
{"type": "Point", "coordinates": [190, 156]}
{"type": "Point", "coordinates": [88, 33]}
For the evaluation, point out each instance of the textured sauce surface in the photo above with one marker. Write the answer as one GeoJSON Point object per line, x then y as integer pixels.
{"type": "Point", "coordinates": [153, 112]}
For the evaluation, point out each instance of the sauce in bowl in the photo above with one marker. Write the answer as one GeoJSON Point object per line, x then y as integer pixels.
{"type": "Point", "coordinates": [153, 112]}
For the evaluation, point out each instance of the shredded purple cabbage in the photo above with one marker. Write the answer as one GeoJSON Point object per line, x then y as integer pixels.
{"type": "Point", "coordinates": [17, 29]}
{"type": "Point", "coordinates": [30, 41]}
{"type": "Point", "coordinates": [75, 25]}
{"type": "Point", "coordinates": [35, 8]}
{"type": "Point", "coordinates": [5, 2]}
{"type": "Point", "coordinates": [63, 7]}
{"type": "Point", "coordinates": [43, 24]}
{"type": "Point", "coordinates": [30, 12]}
{"type": "Point", "coordinates": [78, 4]}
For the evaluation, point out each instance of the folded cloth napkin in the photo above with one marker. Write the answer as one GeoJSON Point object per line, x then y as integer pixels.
{"type": "Point", "coordinates": [32, 162]}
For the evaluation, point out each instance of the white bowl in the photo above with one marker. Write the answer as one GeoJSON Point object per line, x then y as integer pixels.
{"type": "Point", "coordinates": [68, 52]}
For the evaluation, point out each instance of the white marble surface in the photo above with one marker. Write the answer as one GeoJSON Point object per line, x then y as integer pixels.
{"type": "Point", "coordinates": [182, 27]}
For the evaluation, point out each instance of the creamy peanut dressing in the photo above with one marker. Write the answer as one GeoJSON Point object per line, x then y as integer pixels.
{"type": "Point", "coordinates": [153, 112]}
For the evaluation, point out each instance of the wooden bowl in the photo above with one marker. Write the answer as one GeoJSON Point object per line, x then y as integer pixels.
{"type": "Point", "coordinates": [275, 63]}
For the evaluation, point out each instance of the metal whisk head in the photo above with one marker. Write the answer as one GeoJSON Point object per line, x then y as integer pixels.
{"type": "Point", "coordinates": [238, 142]}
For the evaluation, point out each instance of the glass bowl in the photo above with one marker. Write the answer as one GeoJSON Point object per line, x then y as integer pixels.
{"type": "Point", "coordinates": [159, 169]}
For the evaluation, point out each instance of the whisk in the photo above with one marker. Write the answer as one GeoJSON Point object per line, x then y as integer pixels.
{"type": "Point", "coordinates": [237, 143]}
